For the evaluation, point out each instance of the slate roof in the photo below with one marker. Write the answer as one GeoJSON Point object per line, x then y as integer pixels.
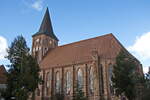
{"type": "Point", "coordinates": [46, 26]}
{"type": "Point", "coordinates": [2, 75]}
{"type": "Point", "coordinates": [107, 46]}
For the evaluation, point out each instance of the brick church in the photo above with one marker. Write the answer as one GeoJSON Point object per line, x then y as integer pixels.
{"type": "Point", "coordinates": [88, 63]}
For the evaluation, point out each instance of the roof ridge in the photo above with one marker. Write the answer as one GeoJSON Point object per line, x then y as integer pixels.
{"type": "Point", "coordinates": [81, 51]}
{"type": "Point", "coordinates": [69, 44]}
{"type": "Point", "coordinates": [86, 40]}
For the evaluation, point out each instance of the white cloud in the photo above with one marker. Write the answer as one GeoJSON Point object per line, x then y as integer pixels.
{"type": "Point", "coordinates": [37, 5]}
{"type": "Point", "coordinates": [3, 46]}
{"type": "Point", "coordinates": [141, 49]}
{"type": "Point", "coordinates": [145, 69]}
{"type": "Point", "coordinates": [142, 46]}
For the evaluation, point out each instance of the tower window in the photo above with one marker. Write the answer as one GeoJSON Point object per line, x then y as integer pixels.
{"type": "Point", "coordinates": [37, 40]}
{"type": "Point", "coordinates": [40, 48]}
{"type": "Point", "coordinates": [36, 48]}
{"type": "Point", "coordinates": [50, 42]}
{"type": "Point", "coordinates": [41, 42]}
{"type": "Point", "coordinates": [33, 49]}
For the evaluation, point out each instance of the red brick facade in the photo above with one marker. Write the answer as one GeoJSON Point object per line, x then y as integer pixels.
{"type": "Point", "coordinates": [55, 61]}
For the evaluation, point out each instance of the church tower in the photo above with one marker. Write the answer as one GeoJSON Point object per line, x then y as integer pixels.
{"type": "Point", "coordinates": [45, 39]}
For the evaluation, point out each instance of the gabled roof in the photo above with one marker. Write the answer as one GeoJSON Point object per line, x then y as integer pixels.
{"type": "Point", "coordinates": [2, 75]}
{"type": "Point", "coordinates": [46, 26]}
{"type": "Point", "coordinates": [107, 46]}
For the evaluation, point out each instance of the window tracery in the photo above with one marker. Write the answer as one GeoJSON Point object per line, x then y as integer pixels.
{"type": "Point", "coordinates": [91, 80]}
{"type": "Point", "coordinates": [48, 82]}
{"type": "Point", "coordinates": [80, 78]}
{"type": "Point", "coordinates": [110, 72]}
{"type": "Point", "coordinates": [58, 82]}
{"type": "Point", "coordinates": [68, 82]}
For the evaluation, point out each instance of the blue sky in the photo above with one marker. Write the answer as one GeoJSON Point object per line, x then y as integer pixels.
{"type": "Point", "coordinates": [74, 20]}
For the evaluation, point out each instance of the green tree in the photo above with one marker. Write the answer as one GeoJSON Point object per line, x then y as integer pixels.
{"type": "Point", "coordinates": [23, 75]}
{"type": "Point", "coordinates": [79, 94]}
{"type": "Point", "coordinates": [58, 96]}
{"type": "Point", "coordinates": [146, 94]}
{"type": "Point", "coordinates": [124, 75]}
{"type": "Point", "coordinates": [146, 89]}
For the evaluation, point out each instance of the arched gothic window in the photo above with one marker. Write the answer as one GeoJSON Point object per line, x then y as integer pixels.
{"type": "Point", "coordinates": [91, 80]}
{"type": "Point", "coordinates": [110, 72]}
{"type": "Point", "coordinates": [58, 82]}
{"type": "Point", "coordinates": [68, 82]}
{"type": "Point", "coordinates": [101, 78]}
{"type": "Point", "coordinates": [80, 78]}
{"type": "Point", "coordinates": [38, 92]}
{"type": "Point", "coordinates": [48, 82]}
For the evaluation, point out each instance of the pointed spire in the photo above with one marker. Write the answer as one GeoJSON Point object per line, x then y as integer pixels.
{"type": "Point", "coordinates": [46, 26]}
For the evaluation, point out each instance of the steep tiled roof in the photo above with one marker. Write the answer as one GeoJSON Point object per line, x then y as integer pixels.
{"type": "Point", "coordinates": [107, 46]}
{"type": "Point", "coordinates": [46, 26]}
{"type": "Point", "coordinates": [2, 74]}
